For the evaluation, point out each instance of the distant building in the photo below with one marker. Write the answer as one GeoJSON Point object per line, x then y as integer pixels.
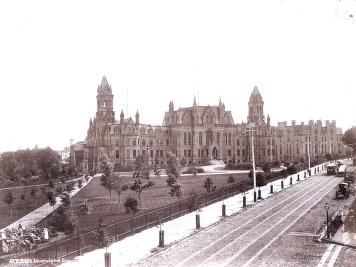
{"type": "Point", "coordinates": [65, 155]}
{"type": "Point", "coordinates": [200, 134]}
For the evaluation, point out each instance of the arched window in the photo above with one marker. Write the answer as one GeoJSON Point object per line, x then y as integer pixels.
{"type": "Point", "coordinates": [200, 139]}
{"type": "Point", "coordinates": [225, 138]}
{"type": "Point", "coordinates": [143, 142]}
{"type": "Point", "coordinates": [189, 138]}
{"type": "Point", "coordinates": [185, 139]}
{"type": "Point", "coordinates": [229, 139]}
{"type": "Point", "coordinates": [128, 153]}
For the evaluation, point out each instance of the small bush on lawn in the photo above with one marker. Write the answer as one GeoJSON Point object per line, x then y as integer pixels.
{"type": "Point", "coordinates": [231, 179]}
{"type": "Point", "coordinates": [131, 205]}
{"type": "Point", "coordinates": [85, 208]}
{"type": "Point", "coordinates": [80, 183]}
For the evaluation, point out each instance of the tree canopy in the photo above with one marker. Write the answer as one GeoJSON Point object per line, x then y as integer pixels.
{"type": "Point", "coordinates": [349, 138]}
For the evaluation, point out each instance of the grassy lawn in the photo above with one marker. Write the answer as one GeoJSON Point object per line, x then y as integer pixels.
{"type": "Point", "coordinates": [18, 207]}
{"type": "Point", "coordinates": [109, 209]}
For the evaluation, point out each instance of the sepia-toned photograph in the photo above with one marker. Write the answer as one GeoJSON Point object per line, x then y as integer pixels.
{"type": "Point", "coordinates": [169, 133]}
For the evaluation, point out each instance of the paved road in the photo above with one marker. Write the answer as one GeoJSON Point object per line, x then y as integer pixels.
{"type": "Point", "coordinates": [278, 231]}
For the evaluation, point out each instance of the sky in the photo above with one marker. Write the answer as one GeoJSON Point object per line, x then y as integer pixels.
{"type": "Point", "coordinates": [53, 54]}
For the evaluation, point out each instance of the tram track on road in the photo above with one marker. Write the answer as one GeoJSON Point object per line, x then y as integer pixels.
{"type": "Point", "coordinates": [244, 250]}
{"type": "Point", "coordinates": [195, 249]}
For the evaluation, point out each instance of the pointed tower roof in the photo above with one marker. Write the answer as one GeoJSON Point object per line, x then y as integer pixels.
{"type": "Point", "coordinates": [104, 87]}
{"type": "Point", "coordinates": [255, 96]}
{"type": "Point", "coordinates": [220, 104]}
{"type": "Point", "coordinates": [194, 102]}
{"type": "Point", "coordinates": [137, 114]}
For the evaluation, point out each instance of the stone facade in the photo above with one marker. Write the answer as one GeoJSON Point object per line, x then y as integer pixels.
{"type": "Point", "coordinates": [202, 133]}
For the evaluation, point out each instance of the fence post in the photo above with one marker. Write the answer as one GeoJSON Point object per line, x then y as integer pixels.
{"type": "Point", "coordinates": [223, 211]}
{"type": "Point", "coordinates": [180, 207]}
{"type": "Point", "coordinates": [115, 228]}
{"type": "Point", "coordinates": [244, 201]}
{"type": "Point", "coordinates": [206, 200]}
{"type": "Point", "coordinates": [170, 212]}
{"type": "Point", "coordinates": [291, 180]}
{"type": "Point", "coordinates": [271, 189]}
{"type": "Point", "coordinates": [197, 220]}
{"type": "Point", "coordinates": [298, 178]}
{"type": "Point", "coordinates": [78, 245]}
{"type": "Point", "coordinates": [161, 238]}
{"type": "Point", "coordinates": [132, 226]}
{"type": "Point", "coordinates": [146, 221]}
{"type": "Point", "coordinates": [67, 244]}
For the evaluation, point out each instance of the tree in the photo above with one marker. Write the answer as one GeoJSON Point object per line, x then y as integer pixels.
{"type": "Point", "coordinates": [65, 198]}
{"type": "Point", "coordinates": [23, 199]}
{"type": "Point", "coordinates": [107, 179]}
{"type": "Point", "coordinates": [131, 204]}
{"type": "Point", "coordinates": [231, 179]}
{"type": "Point", "coordinates": [85, 208]}
{"type": "Point", "coordinates": [70, 222]}
{"type": "Point", "coordinates": [33, 192]}
{"type": "Point", "coordinates": [173, 170]}
{"type": "Point", "coordinates": [140, 186]}
{"type": "Point", "coordinates": [157, 172]}
{"type": "Point", "coordinates": [103, 239]}
{"type": "Point", "coordinates": [52, 200]}
{"type": "Point", "coordinates": [120, 188]}
{"type": "Point", "coordinates": [209, 185]}
{"type": "Point", "coordinates": [349, 138]}
{"type": "Point", "coordinates": [9, 200]}
{"type": "Point", "coordinates": [141, 176]}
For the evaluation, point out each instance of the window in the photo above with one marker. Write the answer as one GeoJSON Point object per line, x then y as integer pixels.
{"type": "Point", "coordinates": [151, 153]}
{"type": "Point", "coordinates": [225, 137]}
{"type": "Point", "coordinates": [189, 139]}
{"type": "Point", "coordinates": [143, 152]}
{"type": "Point", "coordinates": [143, 142]}
{"type": "Point", "coordinates": [185, 139]}
{"type": "Point", "coordinates": [134, 153]}
{"type": "Point", "coordinates": [238, 142]}
{"type": "Point", "coordinates": [229, 139]}
{"type": "Point", "coordinates": [167, 142]}
{"type": "Point", "coordinates": [157, 153]}
{"type": "Point", "coordinates": [128, 153]}
{"type": "Point", "coordinates": [200, 139]}
{"type": "Point", "coordinates": [151, 142]}
{"type": "Point", "coordinates": [117, 142]}
{"type": "Point", "coordinates": [243, 152]}
{"type": "Point", "coordinates": [117, 154]}
{"type": "Point", "coordinates": [128, 141]}
{"type": "Point", "coordinates": [229, 153]}
{"type": "Point", "coordinates": [161, 153]}
{"type": "Point", "coordinates": [189, 153]}
{"type": "Point", "coordinates": [238, 152]}
{"type": "Point", "coordinates": [185, 152]}
{"type": "Point", "coordinates": [134, 141]}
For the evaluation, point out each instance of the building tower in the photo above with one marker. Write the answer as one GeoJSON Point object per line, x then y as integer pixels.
{"type": "Point", "coordinates": [255, 108]}
{"type": "Point", "coordinates": [104, 98]}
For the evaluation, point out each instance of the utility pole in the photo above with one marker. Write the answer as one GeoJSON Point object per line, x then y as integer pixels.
{"type": "Point", "coordinates": [308, 151]}
{"type": "Point", "coordinates": [251, 129]}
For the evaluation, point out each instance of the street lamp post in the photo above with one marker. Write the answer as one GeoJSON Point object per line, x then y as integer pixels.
{"type": "Point", "coordinates": [326, 206]}
{"type": "Point", "coordinates": [251, 128]}
{"type": "Point", "coordinates": [308, 148]}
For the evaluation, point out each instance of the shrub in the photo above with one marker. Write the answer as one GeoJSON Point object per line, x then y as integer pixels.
{"type": "Point", "coordinates": [85, 208]}
{"type": "Point", "coordinates": [131, 205]}
{"type": "Point", "coordinates": [191, 170]}
{"type": "Point", "coordinates": [231, 179]}
{"type": "Point", "coordinates": [80, 183]}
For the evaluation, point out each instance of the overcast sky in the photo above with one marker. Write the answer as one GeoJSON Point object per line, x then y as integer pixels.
{"type": "Point", "coordinates": [53, 54]}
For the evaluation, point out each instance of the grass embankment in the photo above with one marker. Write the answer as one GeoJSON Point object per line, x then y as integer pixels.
{"type": "Point", "coordinates": [109, 209]}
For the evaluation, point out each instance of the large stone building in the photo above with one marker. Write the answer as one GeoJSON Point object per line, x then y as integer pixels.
{"type": "Point", "coordinates": [200, 134]}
